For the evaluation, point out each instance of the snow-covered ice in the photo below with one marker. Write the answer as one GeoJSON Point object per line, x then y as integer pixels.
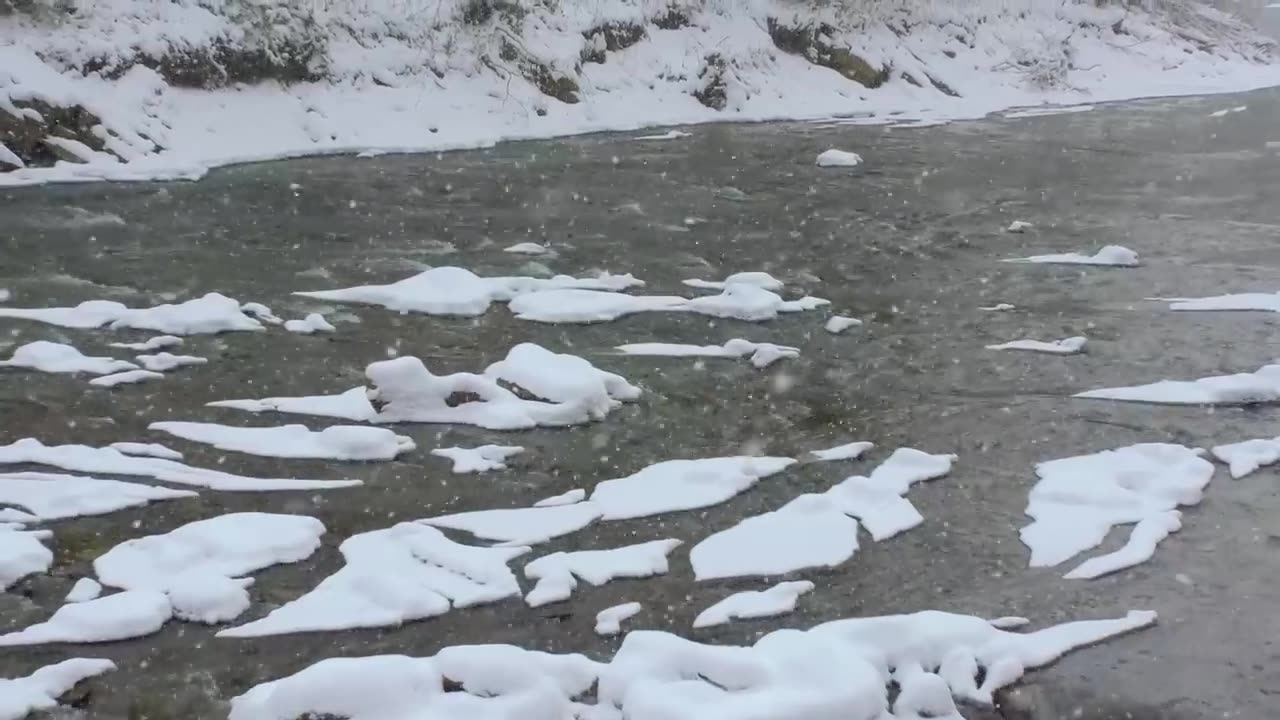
{"type": "Point", "coordinates": [22, 553]}
{"type": "Point", "coordinates": [311, 324]}
{"type": "Point", "coordinates": [837, 324]}
{"type": "Point", "coordinates": [668, 135]}
{"type": "Point", "coordinates": [999, 307]}
{"type": "Point", "coordinates": [1018, 226]}
{"type": "Point", "coordinates": [41, 689]}
{"type": "Point", "coordinates": [1247, 456]}
{"type": "Point", "coordinates": [52, 357]}
{"type": "Point", "coordinates": [755, 277]}
{"type": "Point", "coordinates": [609, 620]}
{"type": "Point", "coordinates": [745, 301]}
{"type": "Point", "coordinates": [393, 576]}
{"type": "Point", "coordinates": [557, 574]}
{"type": "Point", "coordinates": [1228, 111]}
{"type": "Point", "coordinates": [568, 497]}
{"type": "Point", "coordinates": [1111, 255]}
{"type": "Point", "coordinates": [121, 616]}
{"type": "Point", "coordinates": [838, 158]}
{"type": "Point", "coordinates": [588, 306]}
{"type": "Point", "coordinates": [1079, 499]}
{"type": "Point", "coordinates": [163, 361]}
{"type": "Point", "coordinates": [1260, 386]}
{"type": "Point", "coordinates": [527, 248]}
{"type": "Point", "coordinates": [158, 342]}
{"type": "Point", "coordinates": [84, 590]}
{"type": "Point", "coordinates": [521, 526]}
{"type": "Point", "coordinates": [261, 312]}
{"type": "Point", "coordinates": [562, 378]}
{"type": "Point", "coordinates": [155, 450]}
{"type": "Point", "coordinates": [848, 451]}
{"type": "Point", "coordinates": [478, 459]}
{"type": "Point", "coordinates": [350, 405]}
{"type": "Point", "coordinates": [109, 461]}
{"type": "Point", "coordinates": [762, 354]}
{"type": "Point", "coordinates": [1266, 302]}
{"type": "Point", "coordinates": [5, 295]}
{"type": "Point", "coordinates": [339, 442]}
{"type": "Point", "coordinates": [212, 313]}
{"type": "Point", "coordinates": [777, 600]}
{"type": "Point", "coordinates": [128, 377]}
{"type": "Point", "coordinates": [675, 485]}
{"type": "Point", "coordinates": [37, 496]}
{"type": "Point", "coordinates": [1067, 346]}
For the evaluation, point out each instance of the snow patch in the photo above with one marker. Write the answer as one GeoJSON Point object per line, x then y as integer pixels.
{"type": "Point", "coordinates": [128, 377]}
{"type": "Point", "coordinates": [762, 354]}
{"type": "Point", "coordinates": [121, 616]}
{"type": "Point", "coordinates": [1111, 255]}
{"type": "Point", "coordinates": [1266, 302]}
{"type": "Point", "coordinates": [848, 451]}
{"type": "Point", "coordinates": [837, 324]}
{"type": "Point", "coordinates": [557, 574]}
{"type": "Point", "coordinates": [1245, 457]}
{"type": "Point", "coordinates": [37, 496]}
{"type": "Point", "coordinates": [154, 450]}
{"type": "Point", "coordinates": [54, 357]}
{"type": "Point", "coordinates": [777, 600]}
{"type": "Point", "coordinates": [22, 553]}
{"type": "Point", "coordinates": [1068, 346]}
{"type": "Point", "coordinates": [521, 526]}
{"type": "Point", "coordinates": [1260, 386]}
{"type": "Point", "coordinates": [41, 689]}
{"type": "Point", "coordinates": [311, 324]}
{"type": "Point", "coordinates": [838, 158]}
{"type": "Point", "coordinates": [158, 342]}
{"type": "Point", "coordinates": [675, 485]}
{"type": "Point", "coordinates": [528, 248]}
{"type": "Point", "coordinates": [609, 621]}
{"type": "Point", "coordinates": [478, 459]}
{"type": "Point", "coordinates": [755, 278]}
{"type": "Point", "coordinates": [210, 314]}
{"type": "Point", "coordinates": [339, 442]}
{"type": "Point", "coordinates": [570, 497]}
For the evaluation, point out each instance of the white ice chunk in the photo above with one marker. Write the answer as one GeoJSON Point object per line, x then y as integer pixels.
{"type": "Point", "coordinates": [848, 451]}
{"type": "Point", "coordinates": [261, 312]}
{"type": "Point", "coordinates": [158, 342]}
{"type": "Point", "coordinates": [41, 689]}
{"type": "Point", "coordinates": [1237, 302]}
{"type": "Point", "coordinates": [837, 324]}
{"type": "Point", "coordinates": [777, 600]}
{"type": "Point", "coordinates": [562, 378]}
{"type": "Point", "coordinates": [557, 574]}
{"type": "Point", "coordinates": [48, 496]}
{"type": "Point", "coordinates": [459, 292]}
{"type": "Point", "coordinates": [163, 362]}
{"type": "Point", "coordinates": [311, 324]}
{"type": "Point", "coordinates": [1078, 500]}
{"type": "Point", "coordinates": [1113, 255]}
{"type": "Point", "coordinates": [155, 450]}
{"type": "Point", "coordinates": [210, 314]}
{"type": "Point", "coordinates": [521, 526]}
{"type": "Point", "coordinates": [756, 278]}
{"type": "Point", "coordinates": [54, 357]}
{"type": "Point", "coordinates": [108, 461]}
{"type": "Point", "coordinates": [84, 590]}
{"type": "Point", "coordinates": [675, 485]}
{"type": "Point", "coordinates": [128, 377]}
{"type": "Point", "coordinates": [588, 306]}
{"type": "Point", "coordinates": [570, 497]}
{"type": "Point", "coordinates": [478, 459]}
{"type": "Point", "coordinates": [527, 248]}
{"type": "Point", "coordinates": [999, 307]}
{"type": "Point", "coordinates": [1018, 226]}
{"type": "Point", "coordinates": [351, 405]}
{"type": "Point", "coordinates": [838, 158]}
{"type": "Point", "coordinates": [1228, 111]}
{"type": "Point", "coordinates": [22, 553]}
{"type": "Point", "coordinates": [1249, 455]}
{"type": "Point", "coordinates": [125, 615]}
{"type": "Point", "coordinates": [1068, 346]}
{"type": "Point", "coordinates": [748, 302]}
{"type": "Point", "coordinates": [762, 354]}
{"type": "Point", "coordinates": [810, 531]}
{"type": "Point", "coordinates": [668, 135]}
{"type": "Point", "coordinates": [609, 620]}
{"type": "Point", "coordinates": [393, 576]}
{"type": "Point", "coordinates": [1260, 386]}
{"type": "Point", "coordinates": [339, 442]}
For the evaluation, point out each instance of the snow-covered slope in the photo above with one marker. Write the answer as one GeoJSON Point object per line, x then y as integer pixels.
{"type": "Point", "coordinates": [119, 89]}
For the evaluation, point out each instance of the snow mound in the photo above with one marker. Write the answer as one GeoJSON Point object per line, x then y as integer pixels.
{"type": "Point", "coordinates": [41, 689]}
{"type": "Point", "coordinates": [22, 553]}
{"type": "Point", "coordinates": [210, 314]}
{"type": "Point", "coordinates": [37, 496]}
{"type": "Point", "coordinates": [557, 574]}
{"type": "Point", "coordinates": [158, 342]}
{"type": "Point", "coordinates": [1079, 499]}
{"type": "Point", "coordinates": [1245, 457]}
{"type": "Point", "coordinates": [748, 604]}
{"type": "Point", "coordinates": [609, 621]}
{"type": "Point", "coordinates": [1068, 346]}
{"type": "Point", "coordinates": [54, 357]}
{"type": "Point", "coordinates": [340, 442]}
{"type": "Point", "coordinates": [478, 459]}
{"type": "Point", "coordinates": [762, 354]}
{"type": "Point", "coordinates": [1260, 386]}
{"type": "Point", "coordinates": [163, 362]}
{"type": "Point", "coordinates": [1111, 255]}
{"type": "Point", "coordinates": [838, 158]}
{"type": "Point", "coordinates": [675, 485]}
{"type": "Point", "coordinates": [740, 301]}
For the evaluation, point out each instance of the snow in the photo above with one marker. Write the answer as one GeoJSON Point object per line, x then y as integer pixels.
{"type": "Point", "coordinates": [210, 314]}
{"type": "Point", "coordinates": [609, 621]}
{"type": "Point", "coordinates": [459, 292]}
{"type": "Point", "coordinates": [1018, 226]}
{"type": "Point", "coordinates": [162, 362]}
{"type": "Point", "coordinates": [739, 300]}
{"type": "Point", "coordinates": [478, 459]}
{"type": "Point", "coordinates": [5, 295]}
{"type": "Point", "coordinates": [1111, 255]}
{"type": "Point", "coordinates": [84, 590]}
{"type": "Point", "coordinates": [121, 616]}
{"type": "Point", "coordinates": [557, 574]}
{"type": "Point", "coordinates": [393, 576]}
{"type": "Point", "coordinates": [22, 553]}
{"type": "Point", "coordinates": [570, 497]}
{"type": "Point", "coordinates": [839, 323]}
{"type": "Point", "coordinates": [1050, 110]}
{"type": "Point", "coordinates": [762, 354]}
{"type": "Point", "coordinates": [1228, 111]}
{"type": "Point", "coordinates": [1068, 346]}
{"type": "Point", "coordinates": [838, 158]}
{"type": "Point", "coordinates": [848, 451]}
{"type": "Point", "coordinates": [261, 312]}
{"type": "Point", "coordinates": [54, 357]}
{"type": "Point", "coordinates": [1078, 500]}
{"type": "Point", "coordinates": [1268, 302]}
{"type": "Point", "coordinates": [840, 670]}
{"type": "Point", "coordinates": [528, 248]}
{"type": "Point", "coordinates": [668, 135]}
{"type": "Point", "coordinates": [41, 689]}
{"type": "Point", "coordinates": [155, 450]}
{"type": "Point", "coordinates": [311, 324]}
{"type": "Point", "coordinates": [339, 442]}
{"type": "Point", "coordinates": [350, 405]}
{"type": "Point", "coordinates": [562, 378]}
{"type": "Point", "coordinates": [777, 600]}
{"type": "Point", "coordinates": [1245, 457]}
{"type": "Point", "coordinates": [521, 526]}
{"type": "Point", "coordinates": [128, 377]}
{"type": "Point", "coordinates": [198, 566]}
{"type": "Point", "coordinates": [999, 307]}
{"type": "Point", "coordinates": [108, 461]}
{"type": "Point", "coordinates": [158, 342]}
{"type": "Point", "coordinates": [743, 301]}
{"type": "Point", "coordinates": [37, 496]}
{"type": "Point", "coordinates": [755, 278]}
{"type": "Point", "coordinates": [675, 485]}
{"type": "Point", "coordinates": [1260, 386]}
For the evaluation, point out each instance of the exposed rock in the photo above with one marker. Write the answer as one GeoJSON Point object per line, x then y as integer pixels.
{"type": "Point", "coordinates": [713, 91]}
{"type": "Point", "coordinates": [673, 18]}
{"type": "Point", "coordinates": [25, 133]}
{"type": "Point", "coordinates": [610, 37]}
{"type": "Point", "coordinates": [812, 42]}
{"type": "Point", "coordinates": [543, 77]}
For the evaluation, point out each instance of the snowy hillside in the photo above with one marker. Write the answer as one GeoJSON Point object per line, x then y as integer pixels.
{"type": "Point", "coordinates": [135, 89]}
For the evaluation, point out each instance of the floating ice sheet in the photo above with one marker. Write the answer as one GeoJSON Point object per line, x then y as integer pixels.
{"type": "Point", "coordinates": [557, 574]}
{"type": "Point", "coordinates": [212, 313]}
{"type": "Point", "coordinates": [1238, 302]}
{"type": "Point", "coordinates": [158, 342]}
{"type": "Point", "coordinates": [339, 442]}
{"type": "Point", "coordinates": [54, 357]}
{"type": "Point", "coordinates": [41, 689]}
{"type": "Point", "coordinates": [569, 497]}
{"type": "Point", "coordinates": [675, 485]}
{"type": "Point", "coordinates": [1260, 386]}
{"type": "Point", "coordinates": [741, 301]}
{"type": "Point", "coordinates": [777, 600]}
{"type": "Point", "coordinates": [837, 324]}
{"type": "Point", "coordinates": [762, 354]}
{"type": "Point", "coordinates": [521, 526]}
{"type": "Point", "coordinates": [37, 496]}
{"type": "Point", "coordinates": [351, 405]}
{"type": "Point", "coordinates": [1068, 346]}
{"type": "Point", "coordinates": [838, 158]}
{"type": "Point", "coordinates": [528, 248]}
{"type": "Point", "coordinates": [155, 450]}
{"type": "Point", "coordinates": [758, 279]}
{"type": "Point", "coordinates": [22, 553]}
{"type": "Point", "coordinates": [1113, 255]}
{"type": "Point", "coordinates": [848, 451]}
{"type": "Point", "coordinates": [478, 459]}
{"type": "Point", "coordinates": [1245, 457]}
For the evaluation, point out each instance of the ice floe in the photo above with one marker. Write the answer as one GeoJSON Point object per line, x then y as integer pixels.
{"type": "Point", "coordinates": [777, 600]}
{"type": "Point", "coordinates": [999, 307]}
{"type": "Point", "coordinates": [38, 496]}
{"type": "Point", "coordinates": [158, 342]}
{"type": "Point", "coordinates": [41, 689]}
{"type": "Point", "coordinates": [569, 497]}
{"type": "Point", "coordinates": [609, 620]}
{"type": "Point", "coordinates": [393, 576]}
{"type": "Point", "coordinates": [478, 459]}
{"type": "Point", "coordinates": [1237, 302]}
{"type": "Point", "coordinates": [351, 405]}
{"type": "Point", "coordinates": [1244, 457]}
{"type": "Point", "coordinates": [212, 313]}
{"type": "Point", "coordinates": [1079, 499]}
{"type": "Point", "coordinates": [557, 574]}
{"type": "Point", "coordinates": [668, 135]}
{"type": "Point", "coordinates": [22, 553]}
{"type": "Point", "coordinates": [1068, 346]}
{"type": "Point", "coordinates": [459, 292]}
{"type": "Point", "coordinates": [528, 248]}
{"type": "Point", "coordinates": [163, 361]}
{"type": "Point", "coordinates": [1228, 111]}
{"type": "Point", "coordinates": [52, 357]}
{"type": "Point", "coordinates": [108, 461]}
{"type": "Point", "coordinates": [838, 158]}
{"type": "Point", "coordinates": [155, 450]}
{"type": "Point", "coordinates": [762, 354]}
{"type": "Point", "coordinates": [1018, 226]}
{"type": "Point", "coordinates": [121, 616]}
{"type": "Point", "coordinates": [339, 442]}
{"type": "Point", "coordinates": [675, 485]}
{"type": "Point", "coordinates": [837, 324]}
{"type": "Point", "coordinates": [1260, 386]}
{"type": "Point", "coordinates": [740, 301]}
{"type": "Point", "coordinates": [521, 526]}
{"type": "Point", "coordinates": [848, 451]}
{"type": "Point", "coordinates": [128, 377]}
{"type": "Point", "coordinates": [311, 324]}
{"type": "Point", "coordinates": [756, 278]}
{"type": "Point", "coordinates": [1112, 255]}
{"type": "Point", "coordinates": [84, 590]}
